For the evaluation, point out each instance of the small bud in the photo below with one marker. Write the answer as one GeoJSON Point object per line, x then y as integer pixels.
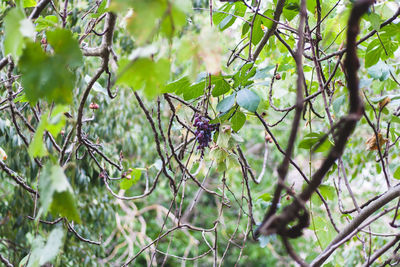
{"type": "Point", "coordinates": [62, 132]}
{"type": "Point", "coordinates": [278, 76]}
{"type": "Point", "coordinates": [268, 138]}
{"type": "Point", "coordinates": [43, 41]}
{"type": "Point", "coordinates": [93, 105]}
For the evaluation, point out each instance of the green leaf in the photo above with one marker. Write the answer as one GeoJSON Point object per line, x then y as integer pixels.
{"type": "Point", "coordinates": [132, 179]}
{"type": "Point", "coordinates": [226, 104]}
{"type": "Point", "coordinates": [338, 102]}
{"type": "Point", "coordinates": [375, 21]}
{"type": "Point", "coordinates": [312, 139]}
{"type": "Point", "coordinates": [379, 71]}
{"type": "Point", "coordinates": [65, 46]}
{"type": "Point", "coordinates": [248, 100]}
{"type": "Point", "coordinates": [245, 73]}
{"type": "Point", "coordinates": [266, 197]}
{"type": "Point", "coordinates": [396, 174]}
{"type": "Point", "coordinates": [51, 77]}
{"type": "Point", "coordinates": [54, 125]}
{"type": "Point", "coordinates": [323, 230]}
{"type": "Point", "coordinates": [312, 6]}
{"type": "Point", "coordinates": [44, 253]}
{"type": "Point", "coordinates": [328, 192]}
{"type": "Point", "coordinates": [29, 3]}
{"type": "Point", "coordinates": [195, 90]}
{"type": "Point", "coordinates": [96, 86]}
{"type": "Point", "coordinates": [258, 33]}
{"type": "Point", "coordinates": [373, 53]}
{"type": "Point", "coordinates": [174, 22]}
{"type": "Point", "coordinates": [222, 19]}
{"type": "Point", "coordinates": [152, 17]}
{"type": "Point", "coordinates": [221, 87]}
{"type": "Point", "coordinates": [144, 73]}
{"type": "Point", "coordinates": [179, 85]}
{"type": "Point", "coordinates": [14, 40]}
{"type": "Point", "coordinates": [45, 23]}
{"type": "Point", "coordinates": [291, 9]}
{"type": "Point", "coordinates": [222, 117]}
{"type": "Point", "coordinates": [395, 119]}
{"type": "Point", "coordinates": [238, 120]}
{"type": "Point", "coordinates": [56, 193]}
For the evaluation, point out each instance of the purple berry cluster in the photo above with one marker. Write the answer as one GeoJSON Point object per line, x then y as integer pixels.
{"type": "Point", "coordinates": [204, 131]}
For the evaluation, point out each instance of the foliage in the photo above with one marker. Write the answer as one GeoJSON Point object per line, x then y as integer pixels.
{"type": "Point", "coordinates": [99, 153]}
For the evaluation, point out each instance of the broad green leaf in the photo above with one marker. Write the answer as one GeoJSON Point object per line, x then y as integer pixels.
{"type": "Point", "coordinates": [291, 9]}
{"type": "Point", "coordinates": [100, 11]}
{"type": "Point", "coordinates": [375, 50]}
{"type": "Point", "coordinates": [266, 197]}
{"type": "Point", "coordinates": [223, 117]}
{"type": "Point", "coordinates": [14, 40]}
{"type": "Point", "coordinates": [248, 100]}
{"type": "Point", "coordinates": [218, 17]}
{"type": "Point", "coordinates": [43, 253]}
{"type": "Point", "coordinates": [44, 23]}
{"type": "Point", "coordinates": [245, 29]}
{"type": "Point", "coordinates": [238, 120]}
{"type": "Point", "coordinates": [258, 33]}
{"type": "Point", "coordinates": [226, 104]}
{"type": "Point", "coordinates": [312, 6]}
{"type": "Point", "coordinates": [309, 140]}
{"type": "Point", "coordinates": [131, 179]}
{"type": "Point", "coordinates": [174, 22]}
{"type": "Point", "coordinates": [338, 102]}
{"type": "Point", "coordinates": [312, 139]}
{"type": "Point", "coordinates": [328, 192]}
{"type": "Point", "coordinates": [246, 72]}
{"type": "Point", "coordinates": [220, 87]}
{"type": "Point", "coordinates": [54, 125]}
{"type": "Point", "coordinates": [96, 86]}
{"type": "Point", "coordinates": [50, 76]}
{"type": "Point", "coordinates": [56, 194]}
{"type": "Point", "coordinates": [395, 119]}
{"type": "Point", "coordinates": [182, 84]}
{"type": "Point", "coordinates": [144, 73]}
{"type": "Point", "coordinates": [195, 90]}
{"type": "Point", "coordinates": [375, 21]}
{"type": "Point", "coordinates": [379, 71]}
{"type": "Point", "coordinates": [323, 230]}
{"type": "Point", "coordinates": [65, 46]}
{"type": "Point", "coordinates": [396, 174]}
{"type": "Point", "coordinates": [150, 17]}
{"type": "Point", "coordinates": [266, 22]}
{"type": "Point", "coordinates": [223, 19]}
{"type": "Point", "coordinates": [29, 3]}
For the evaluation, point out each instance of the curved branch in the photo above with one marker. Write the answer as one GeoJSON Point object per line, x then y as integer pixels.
{"type": "Point", "coordinates": [360, 218]}
{"type": "Point", "coordinates": [279, 223]}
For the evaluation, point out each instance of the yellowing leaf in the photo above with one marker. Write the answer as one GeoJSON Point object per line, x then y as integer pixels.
{"type": "Point", "coordinates": [372, 144]}
{"type": "Point", "coordinates": [384, 102]}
